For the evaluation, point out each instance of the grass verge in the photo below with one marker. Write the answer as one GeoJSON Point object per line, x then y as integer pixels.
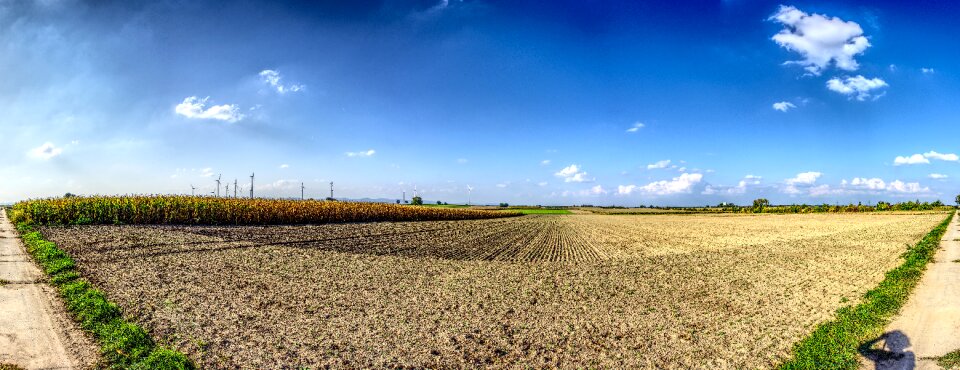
{"type": "Point", "coordinates": [540, 211]}
{"type": "Point", "coordinates": [950, 360]}
{"type": "Point", "coordinates": [833, 345]}
{"type": "Point", "coordinates": [123, 344]}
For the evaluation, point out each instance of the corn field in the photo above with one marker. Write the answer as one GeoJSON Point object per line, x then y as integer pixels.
{"type": "Point", "coordinates": [189, 210]}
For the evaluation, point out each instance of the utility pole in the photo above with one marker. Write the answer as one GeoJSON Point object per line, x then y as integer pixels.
{"type": "Point", "coordinates": [331, 189]}
{"type": "Point", "coordinates": [251, 186]}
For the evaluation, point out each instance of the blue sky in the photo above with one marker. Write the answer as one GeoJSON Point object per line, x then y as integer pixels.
{"type": "Point", "coordinates": [522, 102]}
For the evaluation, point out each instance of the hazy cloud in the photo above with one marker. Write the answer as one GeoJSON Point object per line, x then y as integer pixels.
{"type": "Point", "coordinates": [45, 151]}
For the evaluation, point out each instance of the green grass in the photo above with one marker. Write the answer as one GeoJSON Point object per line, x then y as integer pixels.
{"type": "Point", "coordinates": [122, 344]}
{"type": "Point", "coordinates": [950, 360]}
{"type": "Point", "coordinates": [540, 211]}
{"type": "Point", "coordinates": [10, 367]}
{"type": "Point", "coordinates": [833, 344]}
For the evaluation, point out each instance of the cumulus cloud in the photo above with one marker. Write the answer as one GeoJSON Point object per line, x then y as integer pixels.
{"type": "Point", "coordinates": [545, 162]}
{"type": "Point", "coordinates": [368, 153]}
{"type": "Point", "coordinates": [858, 87]}
{"type": "Point", "coordinates": [636, 127]}
{"type": "Point", "coordinates": [804, 178]}
{"type": "Point", "coordinates": [913, 159]}
{"type": "Point", "coordinates": [819, 39]}
{"type": "Point", "coordinates": [906, 188]}
{"type": "Point", "coordinates": [877, 186]}
{"type": "Point", "coordinates": [284, 165]}
{"type": "Point", "coordinates": [572, 173]}
{"type": "Point", "coordinates": [273, 78]}
{"type": "Point", "coordinates": [801, 181]}
{"type": "Point", "coordinates": [927, 70]}
{"type": "Point", "coordinates": [941, 156]}
{"type": "Point", "coordinates": [682, 184]}
{"type": "Point", "coordinates": [748, 181]}
{"type": "Point", "coordinates": [660, 164]}
{"type": "Point", "coordinates": [597, 190]}
{"type": "Point", "coordinates": [783, 106]}
{"type": "Point", "coordinates": [196, 108]}
{"type": "Point", "coordinates": [45, 151]}
{"type": "Point", "coordinates": [626, 189]}
{"type": "Point", "coordinates": [937, 176]}
{"type": "Point", "coordinates": [869, 184]}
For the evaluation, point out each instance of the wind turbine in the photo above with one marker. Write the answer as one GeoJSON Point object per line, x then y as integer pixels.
{"type": "Point", "coordinates": [218, 184]}
{"type": "Point", "coordinates": [234, 188]}
{"type": "Point", "coordinates": [192, 190]}
{"type": "Point", "coordinates": [301, 191]}
{"type": "Point", "coordinates": [251, 186]}
{"type": "Point", "coordinates": [226, 190]}
{"type": "Point", "coordinates": [469, 193]}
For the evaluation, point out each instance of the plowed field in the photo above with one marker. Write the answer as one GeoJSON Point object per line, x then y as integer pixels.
{"type": "Point", "coordinates": [703, 291]}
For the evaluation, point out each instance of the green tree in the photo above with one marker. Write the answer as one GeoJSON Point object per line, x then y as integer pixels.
{"type": "Point", "coordinates": [759, 204]}
{"type": "Point", "coordinates": [439, 203]}
{"type": "Point", "coordinates": [417, 201]}
{"type": "Point", "coordinates": [958, 200]}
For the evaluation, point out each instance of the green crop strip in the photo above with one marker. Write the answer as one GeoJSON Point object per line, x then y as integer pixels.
{"type": "Point", "coordinates": [124, 345]}
{"type": "Point", "coordinates": [834, 344]}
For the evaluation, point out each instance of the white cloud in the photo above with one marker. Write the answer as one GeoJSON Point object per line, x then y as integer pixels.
{"type": "Point", "coordinates": [913, 159]}
{"type": "Point", "coordinates": [626, 189]}
{"type": "Point", "coordinates": [941, 156]}
{"type": "Point", "coordinates": [572, 173]}
{"type": "Point", "coordinates": [747, 182]}
{"type": "Point", "coordinates": [660, 164]}
{"type": "Point", "coordinates": [542, 183]}
{"type": "Point", "coordinates": [859, 85]}
{"type": "Point", "coordinates": [805, 178]}
{"type": "Point", "coordinates": [206, 172]}
{"type": "Point", "coordinates": [195, 108]}
{"type": "Point", "coordinates": [272, 78]}
{"type": "Point", "coordinates": [502, 185]}
{"type": "Point", "coordinates": [819, 39]}
{"type": "Point", "coordinates": [636, 127]}
{"type": "Point", "coordinates": [682, 184]}
{"type": "Point", "coordinates": [937, 176]}
{"type": "Point", "coordinates": [545, 162]}
{"type": "Point", "coordinates": [802, 180]}
{"type": "Point", "coordinates": [906, 188]}
{"type": "Point", "coordinates": [462, 160]}
{"type": "Point", "coordinates": [368, 153]}
{"type": "Point", "coordinates": [597, 190]}
{"type": "Point", "coordinates": [45, 151]}
{"type": "Point", "coordinates": [927, 70]}
{"type": "Point", "coordinates": [869, 184]}
{"type": "Point", "coordinates": [284, 165]}
{"type": "Point", "coordinates": [783, 106]}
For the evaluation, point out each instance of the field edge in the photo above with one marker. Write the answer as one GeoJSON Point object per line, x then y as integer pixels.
{"type": "Point", "coordinates": [834, 344]}
{"type": "Point", "coordinates": [123, 344]}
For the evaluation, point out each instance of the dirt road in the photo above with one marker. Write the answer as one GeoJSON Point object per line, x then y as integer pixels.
{"type": "Point", "coordinates": [34, 330]}
{"type": "Point", "coordinates": [929, 324]}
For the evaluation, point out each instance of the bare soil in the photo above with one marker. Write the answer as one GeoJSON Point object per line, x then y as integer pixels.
{"type": "Point", "coordinates": [573, 291]}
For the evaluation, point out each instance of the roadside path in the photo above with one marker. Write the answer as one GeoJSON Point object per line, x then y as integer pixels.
{"type": "Point", "coordinates": [32, 332]}
{"type": "Point", "coordinates": [929, 324]}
